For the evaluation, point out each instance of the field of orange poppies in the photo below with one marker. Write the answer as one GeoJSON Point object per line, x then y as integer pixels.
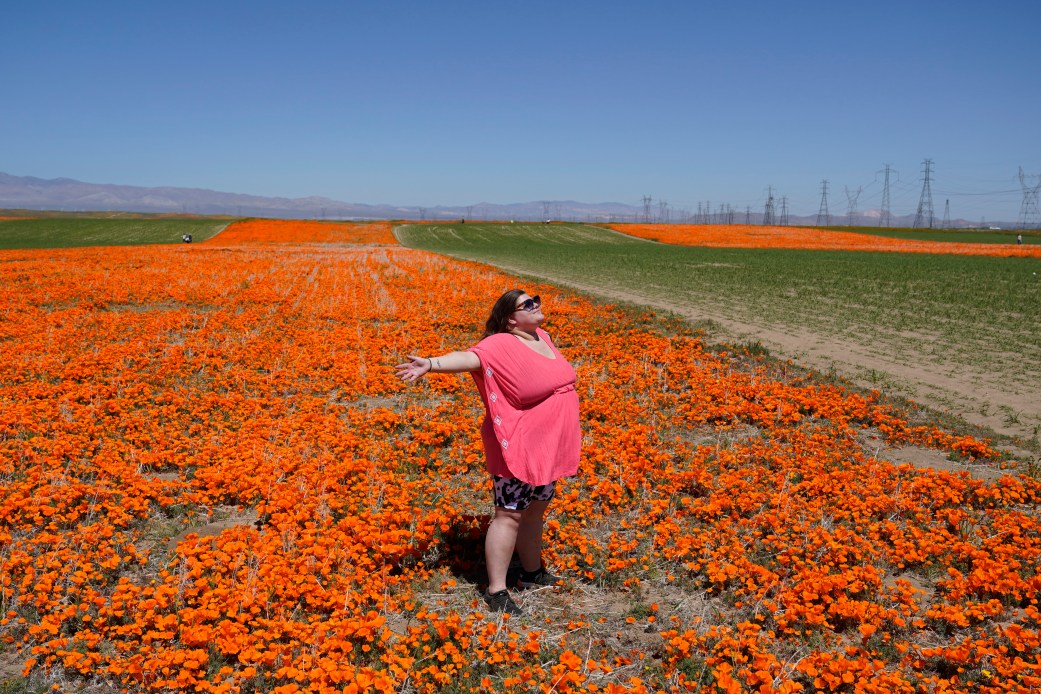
{"type": "Point", "coordinates": [210, 480]}
{"type": "Point", "coordinates": [746, 236]}
{"type": "Point", "coordinates": [255, 231]}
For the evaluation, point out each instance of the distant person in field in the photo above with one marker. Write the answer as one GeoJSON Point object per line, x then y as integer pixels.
{"type": "Point", "coordinates": [530, 431]}
{"type": "Point", "coordinates": [187, 238]}
{"type": "Point", "coordinates": [1019, 238]}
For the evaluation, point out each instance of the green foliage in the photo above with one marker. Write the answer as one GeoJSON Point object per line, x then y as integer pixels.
{"type": "Point", "coordinates": [1005, 236]}
{"type": "Point", "coordinates": [20, 685]}
{"type": "Point", "coordinates": [61, 232]}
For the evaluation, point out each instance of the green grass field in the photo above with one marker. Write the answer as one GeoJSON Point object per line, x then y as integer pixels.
{"type": "Point", "coordinates": [961, 297]}
{"type": "Point", "coordinates": [1006, 236]}
{"type": "Point", "coordinates": [63, 232]}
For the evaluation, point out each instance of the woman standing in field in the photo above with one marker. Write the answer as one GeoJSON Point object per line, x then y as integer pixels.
{"type": "Point", "coordinates": [530, 431]}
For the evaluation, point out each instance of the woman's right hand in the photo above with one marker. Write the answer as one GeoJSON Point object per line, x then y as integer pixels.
{"type": "Point", "coordinates": [414, 368]}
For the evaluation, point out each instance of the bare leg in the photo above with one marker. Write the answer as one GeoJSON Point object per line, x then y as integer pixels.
{"type": "Point", "coordinates": [499, 544]}
{"type": "Point", "coordinates": [529, 535]}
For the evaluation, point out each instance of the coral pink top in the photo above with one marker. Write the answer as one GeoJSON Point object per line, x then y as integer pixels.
{"type": "Point", "coordinates": [530, 428]}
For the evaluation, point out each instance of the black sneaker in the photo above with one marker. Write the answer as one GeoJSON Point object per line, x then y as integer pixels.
{"type": "Point", "coordinates": [502, 602]}
{"type": "Point", "coordinates": [538, 578]}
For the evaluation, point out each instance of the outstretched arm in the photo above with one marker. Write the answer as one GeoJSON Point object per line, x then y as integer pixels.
{"type": "Point", "coordinates": [453, 362]}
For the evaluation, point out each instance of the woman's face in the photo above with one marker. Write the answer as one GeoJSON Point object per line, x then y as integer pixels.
{"type": "Point", "coordinates": [528, 313]}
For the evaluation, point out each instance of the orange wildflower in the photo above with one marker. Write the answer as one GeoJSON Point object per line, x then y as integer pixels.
{"type": "Point", "coordinates": [747, 236]}
{"type": "Point", "coordinates": [288, 231]}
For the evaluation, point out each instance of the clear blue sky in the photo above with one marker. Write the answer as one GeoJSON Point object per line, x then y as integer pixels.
{"type": "Point", "coordinates": [458, 103]}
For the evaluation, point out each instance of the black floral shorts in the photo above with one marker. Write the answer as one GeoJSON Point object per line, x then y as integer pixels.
{"type": "Point", "coordinates": [515, 495]}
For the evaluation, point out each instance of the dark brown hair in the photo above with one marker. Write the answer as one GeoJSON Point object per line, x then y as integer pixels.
{"type": "Point", "coordinates": [501, 313]}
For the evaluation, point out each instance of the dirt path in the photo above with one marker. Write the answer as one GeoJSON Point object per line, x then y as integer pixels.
{"type": "Point", "coordinates": [979, 397]}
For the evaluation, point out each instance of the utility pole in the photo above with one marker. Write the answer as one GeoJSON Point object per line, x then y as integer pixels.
{"type": "Point", "coordinates": [822, 214]}
{"type": "Point", "coordinates": [663, 212]}
{"type": "Point", "coordinates": [1029, 214]}
{"type": "Point", "coordinates": [883, 213]}
{"type": "Point", "coordinates": [925, 203]}
{"type": "Point", "coordinates": [851, 209]}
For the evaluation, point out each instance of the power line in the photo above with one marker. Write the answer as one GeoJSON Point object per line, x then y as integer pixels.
{"type": "Point", "coordinates": [883, 217]}
{"type": "Point", "coordinates": [925, 203]}
{"type": "Point", "coordinates": [992, 192]}
{"type": "Point", "coordinates": [822, 213]}
{"type": "Point", "coordinates": [1029, 214]}
{"type": "Point", "coordinates": [663, 212]}
{"type": "Point", "coordinates": [851, 209]}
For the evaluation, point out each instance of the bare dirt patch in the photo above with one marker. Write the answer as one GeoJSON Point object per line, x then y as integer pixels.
{"type": "Point", "coordinates": [372, 403]}
{"type": "Point", "coordinates": [937, 460]}
{"type": "Point", "coordinates": [11, 664]}
{"type": "Point", "coordinates": [228, 517]}
{"type": "Point", "coordinates": [876, 448]}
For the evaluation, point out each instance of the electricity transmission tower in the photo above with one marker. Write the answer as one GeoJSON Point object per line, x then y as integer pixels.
{"type": "Point", "coordinates": [946, 214]}
{"type": "Point", "coordinates": [646, 209]}
{"type": "Point", "coordinates": [883, 213]}
{"type": "Point", "coordinates": [822, 213]}
{"type": "Point", "coordinates": [925, 203]}
{"type": "Point", "coordinates": [768, 213]}
{"type": "Point", "coordinates": [784, 211]}
{"type": "Point", "coordinates": [1029, 214]}
{"type": "Point", "coordinates": [851, 209]}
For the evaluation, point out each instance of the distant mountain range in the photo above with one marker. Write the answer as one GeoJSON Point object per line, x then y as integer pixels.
{"type": "Point", "coordinates": [69, 195]}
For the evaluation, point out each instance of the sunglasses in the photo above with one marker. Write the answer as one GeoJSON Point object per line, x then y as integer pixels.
{"type": "Point", "coordinates": [529, 304]}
